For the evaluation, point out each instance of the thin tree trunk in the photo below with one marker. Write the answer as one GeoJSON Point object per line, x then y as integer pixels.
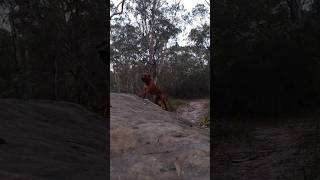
{"type": "Point", "coordinates": [13, 40]}
{"type": "Point", "coordinates": [55, 83]}
{"type": "Point", "coordinates": [14, 46]}
{"type": "Point", "coordinates": [152, 43]}
{"type": "Point", "coordinates": [27, 69]}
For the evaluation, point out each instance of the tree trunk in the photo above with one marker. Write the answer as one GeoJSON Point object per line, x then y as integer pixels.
{"type": "Point", "coordinates": [55, 81]}
{"type": "Point", "coordinates": [13, 40]}
{"type": "Point", "coordinates": [152, 40]}
{"type": "Point", "coordinates": [295, 7]}
{"type": "Point", "coordinates": [14, 46]}
{"type": "Point", "coordinates": [27, 70]}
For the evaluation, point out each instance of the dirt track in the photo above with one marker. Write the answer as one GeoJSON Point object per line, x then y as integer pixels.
{"type": "Point", "coordinates": [194, 110]}
{"type": "Point", "coordinates": [276, 151]}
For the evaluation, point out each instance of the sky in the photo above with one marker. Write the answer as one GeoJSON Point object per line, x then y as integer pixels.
{"type": "Point", "coordinates": [188, 5]}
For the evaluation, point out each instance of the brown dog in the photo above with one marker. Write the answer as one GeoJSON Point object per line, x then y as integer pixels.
{"type": "Point", "coordinates": [151, 88]}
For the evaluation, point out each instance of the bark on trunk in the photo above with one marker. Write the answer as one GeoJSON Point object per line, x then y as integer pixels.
{"type": "Point", "coordinates": [152, 40]}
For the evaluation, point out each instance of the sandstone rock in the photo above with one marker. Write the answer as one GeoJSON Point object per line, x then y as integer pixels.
{"type": "Point", "coordinates": [45, 139]}
{"type": "Point", "coordinates": [148, 143]}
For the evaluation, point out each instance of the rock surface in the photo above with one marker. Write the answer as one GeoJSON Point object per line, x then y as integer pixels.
{"type": "Point", "coordinates": [51, 140]}
{"type": "Point", "coordinates": [148, 143]}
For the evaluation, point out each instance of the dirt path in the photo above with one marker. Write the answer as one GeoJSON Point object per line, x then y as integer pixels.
{"type": "Point", "coordinates": [275, 152]}
{"type": "Point", "coordinates": [194, 110]}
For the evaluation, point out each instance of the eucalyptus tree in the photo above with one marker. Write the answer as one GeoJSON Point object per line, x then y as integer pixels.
{"type": "Point", "coordinates": [55, 43]}
{"type": "Point", "coordinates": [155, 23]}
{"type": "Point", "coordinates": [200, 35]}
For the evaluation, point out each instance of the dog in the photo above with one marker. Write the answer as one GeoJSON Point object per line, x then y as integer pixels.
{"type": "Point", "coordinates": [151, 88]}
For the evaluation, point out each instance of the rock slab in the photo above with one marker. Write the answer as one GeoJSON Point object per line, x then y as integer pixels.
{"type": "Point", "coordinates": [42, 139]}
{"type": "Point", "coordinates": [148, 143]}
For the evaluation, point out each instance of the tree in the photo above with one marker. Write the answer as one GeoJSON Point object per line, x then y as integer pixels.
{"type": "Point", "coordinates": [118, 13]}
{"type": "Point", "coordinates": [144, 38]}
{"type": "Point", "coordinates": [55, 40]}
{"type": "Point", "coordinates": [156, 27]}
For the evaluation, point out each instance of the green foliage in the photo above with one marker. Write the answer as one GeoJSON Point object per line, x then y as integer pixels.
{"type": "Point", "coordinates": [200, 10]}
{"type": "Point", "coordinates": [266, 63]}
{"type": "Point", "coordinates": [53, 55]}
{"type": "Point", "coordinates": [182, 71]}
{"type": "Point", "coordinates": [205, 121]}
{"type": "Point", "coordinates": [200, 35]}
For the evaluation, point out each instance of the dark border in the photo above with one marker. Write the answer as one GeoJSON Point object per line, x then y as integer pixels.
{"type": "Point", "coordinates": [107, 115]}
{"type": "Point", "coordinates": [211, 63]}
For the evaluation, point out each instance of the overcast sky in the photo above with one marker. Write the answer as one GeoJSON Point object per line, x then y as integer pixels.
{"type": "Point", "coordinates": [188, 5]}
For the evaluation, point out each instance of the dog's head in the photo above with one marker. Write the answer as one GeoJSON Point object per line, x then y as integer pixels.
{"type": "Point", "coordinates": [146, 78]}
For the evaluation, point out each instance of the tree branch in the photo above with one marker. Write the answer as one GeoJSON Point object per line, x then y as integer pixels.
{"type": "Point", "coordinates": [175, 12]}
{"type": "Point", "coordinates": [117, 13]}
{"type": "Point", "coordinates": [208, 2]}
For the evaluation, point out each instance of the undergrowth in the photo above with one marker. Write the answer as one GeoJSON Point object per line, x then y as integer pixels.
{"type": "Point", "coordinates": [173, 104]}
{"type": "Point", "coordinates": [205, 121]}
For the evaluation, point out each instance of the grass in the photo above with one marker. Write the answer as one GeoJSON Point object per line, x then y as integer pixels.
{"type": "Point", "coordinates": [173, 104]}
{"type": "Point", "coordinates": [205, 121]}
